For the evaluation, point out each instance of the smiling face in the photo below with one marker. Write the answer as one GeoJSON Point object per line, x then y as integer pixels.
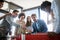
{"type": "Point", "coordinates": [34, 18]}
{"type": "Point", "coordinates": [15, 14]}
{"type": "Point", "coordinates": [22, 17]}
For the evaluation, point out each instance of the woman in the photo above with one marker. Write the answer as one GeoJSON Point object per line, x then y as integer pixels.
{"type": "Point", "coordinates": [21, 22]}
{"type": "Point", "coordinates": [29, 25]}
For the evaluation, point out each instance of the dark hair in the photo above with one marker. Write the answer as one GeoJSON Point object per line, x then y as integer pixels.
{"type": "Point", "coordinates": [21, 14]}
{"type": "Point", "coordinates": [2, 0]}
{"type": "Point", "coordinates": [15, 11]}
{"type": "Point", "coordinates": [33, 15]}
{"type": "Point", "coordinates": [45, 4]}
{"type": "Point", "coordinates": [28, 23]}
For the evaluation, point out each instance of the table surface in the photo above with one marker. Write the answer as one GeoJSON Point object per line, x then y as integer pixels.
{"type": "Point", "coordinates": [39, 36]}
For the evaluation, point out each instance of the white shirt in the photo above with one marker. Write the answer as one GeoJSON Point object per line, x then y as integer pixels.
{"type": "Point", "coordinates": [30, 28]}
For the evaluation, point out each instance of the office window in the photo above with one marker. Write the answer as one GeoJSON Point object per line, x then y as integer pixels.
{"type": "Point", "coordinates": [5, 6]}
{"type": "Point", "coordinates": [32, 11]}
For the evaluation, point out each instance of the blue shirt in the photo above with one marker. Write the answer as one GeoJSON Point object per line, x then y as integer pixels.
{"type": "Point", "coordinates": [39, 26]}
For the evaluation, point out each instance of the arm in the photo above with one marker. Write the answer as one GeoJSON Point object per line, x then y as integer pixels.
{"type": "Point", "coordinates": [34, 29]}
{"type": "Point", "coordinates": [44, 27]}
{"type": "Point", "coordinates": [17, 28]}
{"type": "Point", "coordinates": [10, 20]}
{"type": "Point", "coordinates": [4, 16]}
{"type": "Point", "coordinates": [52, 14]}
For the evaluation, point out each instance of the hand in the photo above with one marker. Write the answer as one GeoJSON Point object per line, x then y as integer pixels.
{"type": "Point", "coordinates": [8, 13]}
{"type": "Point", "coordinates": [24, 27]}
{"type": "Point", "coordinates": [28, 31]}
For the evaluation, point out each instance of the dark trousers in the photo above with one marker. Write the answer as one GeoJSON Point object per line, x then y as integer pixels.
{"type": "Point", "coordinates": [3, 33]}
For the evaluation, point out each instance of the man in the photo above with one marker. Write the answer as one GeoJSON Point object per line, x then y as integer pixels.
{"type": "Point", "coordinates": [46, 6]}
{"type": "Point", "coordinates": [38, 25]}
{"type": "Point", "coordinates": [8, 21]}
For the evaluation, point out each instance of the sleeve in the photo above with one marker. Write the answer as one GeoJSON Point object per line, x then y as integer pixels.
{"type": "Point", "coordinates": [8, 18]}
{"type": "Point", "coordinates": [34, 30]}
{"type": "Point", "coordinates": [10, 21]}
{"type": "Point", "coordinates": [44, 27]}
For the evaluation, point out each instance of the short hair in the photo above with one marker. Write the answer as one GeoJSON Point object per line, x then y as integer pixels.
{"type": "Point", "coordinates": [2, 0]}
{"type": "Point", "coordinates": [45, 4]}
{"type": "Point", "coordinates": [15, 11]}
{"type": "Point", "coordinates": [21, 14]}
{"type": "Point", "coordinates": [33, 15]}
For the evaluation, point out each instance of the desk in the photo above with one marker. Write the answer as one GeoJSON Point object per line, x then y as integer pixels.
{"type": "Point", "coordinates": [39, 36]}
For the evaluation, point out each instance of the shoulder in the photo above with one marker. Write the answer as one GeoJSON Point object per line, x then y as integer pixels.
{"type": "Point", "coordinates": [39, 20]}
{"type": "Point", "coordinates": [33, 23]}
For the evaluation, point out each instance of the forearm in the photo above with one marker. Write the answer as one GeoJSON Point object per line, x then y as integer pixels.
{"type": "Point", "coordinates": [5, 15]}
{"type": "Point", "coordinates": [44, 30]}
{"type": "Point", "coordinates": [2, 17]}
